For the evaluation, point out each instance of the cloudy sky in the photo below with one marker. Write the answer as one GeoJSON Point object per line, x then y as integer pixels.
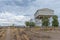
{"type": "Point", "coordinates": [18, 11]}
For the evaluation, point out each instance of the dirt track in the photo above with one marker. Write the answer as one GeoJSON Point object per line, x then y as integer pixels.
{"type": "Point", "coordinates": [8, 36]}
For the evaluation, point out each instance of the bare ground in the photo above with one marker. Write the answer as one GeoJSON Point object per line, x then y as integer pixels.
{"type": "Point", "coordinates": [30, 34]}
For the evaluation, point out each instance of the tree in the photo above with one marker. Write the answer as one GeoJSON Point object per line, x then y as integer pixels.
{"type": "Point", "coordinates": [27, 23]}
{"type": "Point", "coordinates": [45, 21]}
{"type": "Point", "coordinates": [55, 22]}
{"type": "Point", "coordinates": [32, 24]}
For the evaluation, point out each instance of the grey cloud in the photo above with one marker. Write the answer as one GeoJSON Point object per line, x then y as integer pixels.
{"type": "Point", "coordinates": [26, 8]}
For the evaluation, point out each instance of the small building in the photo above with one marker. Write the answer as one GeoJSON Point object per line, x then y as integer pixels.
{"type": "Point", "coordinates": [41, 13]}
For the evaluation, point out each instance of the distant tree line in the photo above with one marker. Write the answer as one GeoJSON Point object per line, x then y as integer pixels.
{"type": "Point", "coordinates": [45, 22]}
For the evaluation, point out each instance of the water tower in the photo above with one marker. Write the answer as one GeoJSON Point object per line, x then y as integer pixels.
{"type": "Point", "coordinates": [41, 13]}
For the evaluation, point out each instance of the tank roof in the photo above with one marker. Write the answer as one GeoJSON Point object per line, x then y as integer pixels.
{"type": "Point", "coordinates": [45, 9]}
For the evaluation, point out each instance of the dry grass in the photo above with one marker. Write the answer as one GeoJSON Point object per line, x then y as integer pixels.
{"type": "Point", "coordinates": [30, 34]}
{"type": "Point", "coordinates": [2, 33]}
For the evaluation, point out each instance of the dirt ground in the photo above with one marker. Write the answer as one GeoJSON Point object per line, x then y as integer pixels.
{"type": "Point", "coordinates": [28, 34]}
